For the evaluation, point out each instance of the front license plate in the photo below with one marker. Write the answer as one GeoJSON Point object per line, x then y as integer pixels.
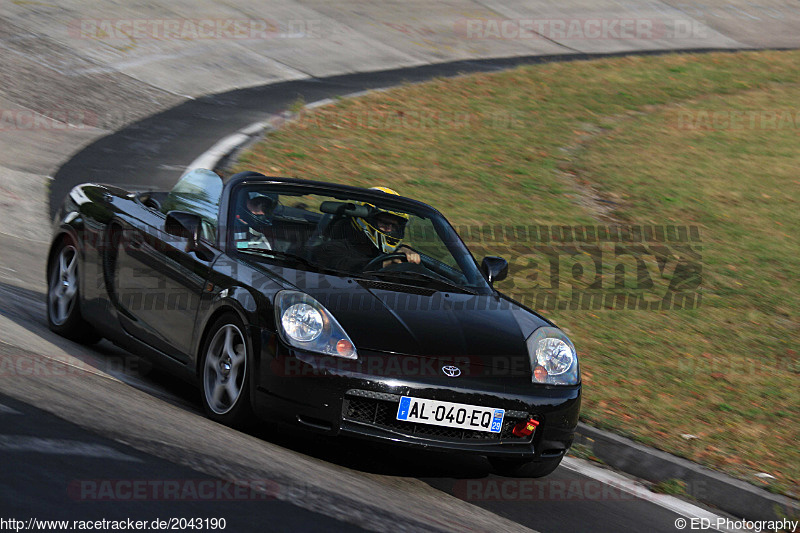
{"type": "Point", "coordinates": [454, 415]}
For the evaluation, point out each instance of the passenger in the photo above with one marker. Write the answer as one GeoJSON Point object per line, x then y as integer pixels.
{"type": "Point", "coordinates": [253, 228]}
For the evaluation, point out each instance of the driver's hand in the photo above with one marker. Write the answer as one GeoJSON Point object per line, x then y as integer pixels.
{"type": "Point", "coordinates": [412, 256]}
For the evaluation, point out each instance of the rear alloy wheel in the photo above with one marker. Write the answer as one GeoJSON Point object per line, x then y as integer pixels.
{"type": "Point", "coordinates": [63, 296]}
{"type": "Point", "coordinates": [226, 390]}
{"type": "Point", "coordinates": [523, 468]}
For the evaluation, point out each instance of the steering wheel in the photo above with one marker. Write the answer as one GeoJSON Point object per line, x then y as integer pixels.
{"type": "Point", "coordinates": [384, 257]}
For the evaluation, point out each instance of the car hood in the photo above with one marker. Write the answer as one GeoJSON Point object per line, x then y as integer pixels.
{"type": "Point", "coordinates": [487, 329]}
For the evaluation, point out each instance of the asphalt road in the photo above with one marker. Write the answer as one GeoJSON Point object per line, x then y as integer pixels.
{"type": "Point", "coordinates": [56, 470]}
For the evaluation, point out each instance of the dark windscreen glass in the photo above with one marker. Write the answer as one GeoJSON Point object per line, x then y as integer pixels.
{"type": "Point", "coordinates": [199, 192]}
{"type": "Point", "coordinates": [341, 233]}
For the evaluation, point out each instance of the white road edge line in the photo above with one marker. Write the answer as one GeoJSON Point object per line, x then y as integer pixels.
{"type": "Point", "coordinates": [225, 146]}
{"type": "Point", "coordinates": [6, 410]}
{"type": "Point", "coordinates": [25, 443]}
{"type": "Point", "coordinates": [319, 103]}
{"type": "Point", "coordinates": [618, 481]}
{"type": "Point", "coordinates": [213, 155]}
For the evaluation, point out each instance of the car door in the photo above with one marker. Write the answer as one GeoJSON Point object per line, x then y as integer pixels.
{"type": "Point", "coordinates": [160, 282]}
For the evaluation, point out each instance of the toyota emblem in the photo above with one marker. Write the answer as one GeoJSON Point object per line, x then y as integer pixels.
{"type": "Point", "coordinates": [451, 371]}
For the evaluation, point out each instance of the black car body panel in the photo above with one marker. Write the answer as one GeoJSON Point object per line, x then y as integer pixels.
{"type": "Point", "coordinates": [143, 290]}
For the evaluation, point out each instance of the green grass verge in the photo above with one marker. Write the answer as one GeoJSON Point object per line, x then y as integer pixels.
{"type": "Point", "coordinates": [672, 487]}
{"type": "Point", "coordinates": [704, 140]}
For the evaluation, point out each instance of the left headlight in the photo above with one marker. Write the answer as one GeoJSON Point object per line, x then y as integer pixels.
{"type": "Point", "coordinates": [304, 323]}
{"type": "Point", "coordinates": [553, 357]}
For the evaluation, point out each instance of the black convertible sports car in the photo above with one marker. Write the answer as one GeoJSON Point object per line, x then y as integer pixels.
{"type": "Point", "coordinates": [345, 310]}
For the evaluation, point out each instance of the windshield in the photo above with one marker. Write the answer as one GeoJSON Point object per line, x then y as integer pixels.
{"type": "Point", "coordinates": [198, 192]}
{"type": "Point", "coordinates": [351, 235]}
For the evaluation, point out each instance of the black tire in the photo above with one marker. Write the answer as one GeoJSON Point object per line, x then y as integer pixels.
{"type": "Point", "coordinates": [64, 296]}
{"type": "Point", "coordinates": [225, 373]}
{"type": "Point", "coordinates": [523, 468]}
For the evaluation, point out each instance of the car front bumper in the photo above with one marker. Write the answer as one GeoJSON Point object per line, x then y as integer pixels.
{"type": "Point", "coordinates": [360, 398]}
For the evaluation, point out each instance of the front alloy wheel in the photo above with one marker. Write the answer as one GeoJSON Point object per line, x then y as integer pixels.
{"type": "Point", "coordinates": [225, 373]}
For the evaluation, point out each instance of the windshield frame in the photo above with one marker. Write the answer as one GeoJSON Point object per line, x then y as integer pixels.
{"type": "Point", "coordinates": [476, 282]}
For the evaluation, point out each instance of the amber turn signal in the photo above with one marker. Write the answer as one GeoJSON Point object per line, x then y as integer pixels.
{"type": "Point", "coordinates": [344, 348]}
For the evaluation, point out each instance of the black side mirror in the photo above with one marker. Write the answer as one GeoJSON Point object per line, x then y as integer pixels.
{"type": "Point", "coordinates": [494, 268]}
{"type": "Point", "coordinates": [186, 225]}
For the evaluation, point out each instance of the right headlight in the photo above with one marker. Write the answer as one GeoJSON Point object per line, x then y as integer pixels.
{"type": "Point", "coordinates": [553, 357]}
{"type": "Point", "coordinates": [304, 323]}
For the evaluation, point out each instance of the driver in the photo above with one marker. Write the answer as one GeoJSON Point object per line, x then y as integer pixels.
{"type": "Point", "coordinates": [253, 228]}
{"type": "Point", "coordinates": [357, 241]}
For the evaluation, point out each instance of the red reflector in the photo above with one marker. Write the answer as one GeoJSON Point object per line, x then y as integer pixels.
{"type": "Point", "coordinates": [523, 429]}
